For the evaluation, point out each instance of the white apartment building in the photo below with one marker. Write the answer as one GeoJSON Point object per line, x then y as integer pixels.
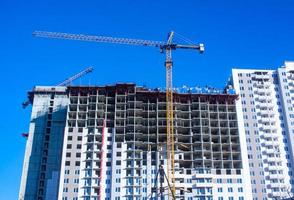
{"type": "Point", "coordinates": [107, 143]}
{"type": "Point", "coordinates": [266, 104]}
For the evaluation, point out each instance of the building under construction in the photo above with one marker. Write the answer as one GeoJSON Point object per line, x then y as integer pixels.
{"type": "Point", "coordinates": [108, 142]}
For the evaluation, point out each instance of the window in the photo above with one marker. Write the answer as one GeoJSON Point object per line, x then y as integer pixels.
{"type": "Point", "coordinates": [67, 163]}
{"type": "Point", "coordinates": [219, 180]}
{"type": "Point", "coordinates": [230, 189]}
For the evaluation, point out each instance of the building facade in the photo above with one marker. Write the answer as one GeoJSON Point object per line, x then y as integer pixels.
{"type": "Point", "coordinates": [108, 143]}
{"type": "Point", "coordinates": [41, 167]}
{"type": "Point", "coordinates": [266, 105]}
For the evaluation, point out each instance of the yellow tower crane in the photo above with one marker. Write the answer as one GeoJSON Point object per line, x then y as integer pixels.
{"type": "Point", "coordinates": [165, 47]}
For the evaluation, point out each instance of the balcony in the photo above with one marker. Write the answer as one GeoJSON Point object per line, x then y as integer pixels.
{"type": "Point", "coordinates": [262, 98]}
{"type": "Point", "coordinates": [267, 127]}
{"type": "Point", "coordinates": [275, 168]}
{"type": "Point", "coordinates": [273, 159]}
{"type": "Point", "coordinates": [261, 76]}
{"type": "Point", "coordinates": [264, 111]}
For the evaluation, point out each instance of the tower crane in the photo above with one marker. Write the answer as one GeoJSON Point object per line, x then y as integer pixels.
{"type": "Point", "coordinates": [165, 47]}
{"type": "Point", "coordinates": [66, 82]}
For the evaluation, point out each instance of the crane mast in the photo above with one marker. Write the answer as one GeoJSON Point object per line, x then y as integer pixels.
{"type": "Point", "coordinates": [170, 149]}
{"type": "Point", "coordinates": [165, 47]}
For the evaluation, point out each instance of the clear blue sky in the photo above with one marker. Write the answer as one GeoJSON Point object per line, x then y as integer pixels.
{"type": "Point", "coordinates": [236, 33]}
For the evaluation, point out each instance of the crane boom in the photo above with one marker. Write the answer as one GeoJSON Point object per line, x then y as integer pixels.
{"type": "Point", "coordinates": [105, 39]}
{"type": "Point", "coordinates": [76, 76]}
{"type": "Point", "coordinates": [165, 47]}
{"type": "Point", "coordinates": [93, 38]}
{"type": "Point", "coordinates": [66, 82]}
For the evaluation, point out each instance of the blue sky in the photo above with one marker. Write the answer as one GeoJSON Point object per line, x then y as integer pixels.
{"type": "Point", "coordinates": [236, 33]}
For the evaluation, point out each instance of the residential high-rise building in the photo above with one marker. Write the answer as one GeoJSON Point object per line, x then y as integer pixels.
{"type": "Point", "coordinates": [266, 104]}
{"type": "Point", "coordinates": [108, 142]}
